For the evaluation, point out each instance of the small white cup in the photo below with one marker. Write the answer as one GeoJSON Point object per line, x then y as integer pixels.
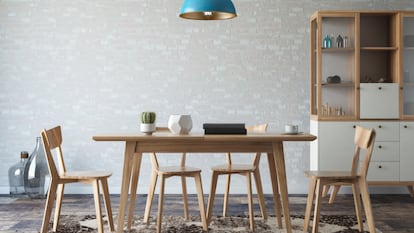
{"type": "Point", "coordinates": [289, 128]}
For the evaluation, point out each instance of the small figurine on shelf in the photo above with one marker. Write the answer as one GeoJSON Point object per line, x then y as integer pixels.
{"type": "Point", "coordinates": [339, 42]}
{"type": "Point", "coordinates": [327, 42]}
{"type": "Point", "coordinates": [345, 42]}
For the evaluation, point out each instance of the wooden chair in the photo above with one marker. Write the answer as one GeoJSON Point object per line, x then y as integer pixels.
{"type": "Point", "coordinates": [364, 142]}
{"type": "Point", "coordinates": [246, 170]}
{"type": "Point", "coordinates": [164, 172]}
{"type": "Point", "coordinates": [52, 141]}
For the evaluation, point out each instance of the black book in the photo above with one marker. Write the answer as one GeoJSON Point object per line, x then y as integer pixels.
{"type": "Point", "coordinates": [224, 128]}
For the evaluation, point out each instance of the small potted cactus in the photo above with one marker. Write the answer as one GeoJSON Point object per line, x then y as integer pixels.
{"type": "Point", "coordinates": [148, 122]}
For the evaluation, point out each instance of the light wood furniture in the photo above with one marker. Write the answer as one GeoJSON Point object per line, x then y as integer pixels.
{"type": "Point", "coordinates": [246, 170]}
{"type": "Point", "coordinates": [52, 141]}
{"type": "Point", "coordinates": [165, 172]}
{"type": "Point", "coordinates": [270, 143]}
{"type": "Point", "coordinates": [376, 89]}
{"type": "Point", "coordinates": [364, 145]}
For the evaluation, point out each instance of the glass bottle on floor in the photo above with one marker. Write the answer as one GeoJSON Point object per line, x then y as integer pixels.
{"type": "Point", "coordinates": [16, 175]}
{"type": "Point", "coordinates": [35, 172]}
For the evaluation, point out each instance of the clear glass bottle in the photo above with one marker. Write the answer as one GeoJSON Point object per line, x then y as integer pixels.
{"type": "Point", "coordinates": [35, 172]}
{"type": "Point", "coordinates": [16, 175]}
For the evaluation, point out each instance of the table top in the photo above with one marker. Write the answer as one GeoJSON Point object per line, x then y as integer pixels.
{"type": "Point", "coordinates": [169, 137]}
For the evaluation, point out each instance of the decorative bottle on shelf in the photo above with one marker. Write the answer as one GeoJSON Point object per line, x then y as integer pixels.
{"type": "Point", "coordinates": [16, 175]}
{"type": "Point", "coordinates": [35, 172]}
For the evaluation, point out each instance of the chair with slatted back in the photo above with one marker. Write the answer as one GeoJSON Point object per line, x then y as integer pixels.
{"type": "Point", "coordinates": [246, 170]}
{"type": "Point", "coordinates": [52, 141]}
{"type": "Point", "coordinates": [164, 172]}
{"type": "Point", "coordinates": [364, 143]}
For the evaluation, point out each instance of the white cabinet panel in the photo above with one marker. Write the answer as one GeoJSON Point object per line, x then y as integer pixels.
{"type": "Point", "coordinates": [407, 151]}
{"type": "Point", "coordinates": [379, 101]}
{"type": "Point", "coordinates": [386, 151]}
{"type": "Point", "coordinates": [385, 130]}
{"type": "Point", "coordinates": [383, 171]}
{"type": "Point", "coordinates": [335, 145]}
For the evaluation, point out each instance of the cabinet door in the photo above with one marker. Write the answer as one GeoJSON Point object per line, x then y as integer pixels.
{"type": "Point", "coordinates": [379, 100]}
{"type": "Point", "coordinates": [406, 151]}
{"type": "Point", "coordinates": [408, 65]}
{"type": "Point", "coordinates": [335, 146]}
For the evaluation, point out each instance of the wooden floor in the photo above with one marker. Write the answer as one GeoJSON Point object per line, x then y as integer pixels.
{"type": "Point", "coordinates": [392, 213]}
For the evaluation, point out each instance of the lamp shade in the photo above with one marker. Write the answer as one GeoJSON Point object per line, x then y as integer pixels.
{"type": "Point", "coordinates": [207, 9]}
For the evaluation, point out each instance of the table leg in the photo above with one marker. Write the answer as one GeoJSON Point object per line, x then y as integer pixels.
{"type": "Point", "coordinates": [276, 196]}
{"type": "Point", "coordinates": [281, 176]}
{"type": "Point", "coordinates": [126, 179]}
{"type": "Point", "coordinates": [134, 184]}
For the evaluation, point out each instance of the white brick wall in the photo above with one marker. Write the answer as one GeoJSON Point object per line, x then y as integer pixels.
{"type": "Point", "coordinates": [93, 66]}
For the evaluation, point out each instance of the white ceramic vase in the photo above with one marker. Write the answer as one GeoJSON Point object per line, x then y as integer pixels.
{"type": "Point", "coordinates": [180, 124]}
{"type": "Point", "coordinates": [148, 128]}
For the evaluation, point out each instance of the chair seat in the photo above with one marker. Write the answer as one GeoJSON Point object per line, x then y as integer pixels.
{"type": "Point", "coordinates": [168, 170]}
{"type": "Point", "coordinates": [86, 175]}
{"type": "Point", "coordinates": [331, 174]}
{"type": "Point", "coordinates": [234, 168]}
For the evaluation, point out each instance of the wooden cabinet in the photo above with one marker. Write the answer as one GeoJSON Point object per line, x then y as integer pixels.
{"type": "Point", "coordinates": [364, 75]}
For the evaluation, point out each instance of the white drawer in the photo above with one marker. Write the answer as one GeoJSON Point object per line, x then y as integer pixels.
{"type": "Point", "coordinates": [386, 152]}
{"type": "Point", "coordinates": [385, 130]}
{"type": "Point", "coordinates": [379, 101]}
{"type": "Point", "coordinates": [383, 171]}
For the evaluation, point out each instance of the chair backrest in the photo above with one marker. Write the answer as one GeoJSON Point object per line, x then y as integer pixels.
{"type": "Point", "coordinates": [364, 140]}
{"type": "Point", "coordinates": [154, 158]}
{"type": "Point", "coordinates": [52, 141]}
{"type": "Point", "coordinates": [262, 128]}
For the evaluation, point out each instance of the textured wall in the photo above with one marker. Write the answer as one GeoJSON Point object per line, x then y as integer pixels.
{"type": "Point", "coordinates": [93, 66]}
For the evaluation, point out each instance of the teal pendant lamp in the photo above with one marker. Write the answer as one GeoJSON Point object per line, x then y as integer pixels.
{"type": "Point", "coordinates": [207, 9]}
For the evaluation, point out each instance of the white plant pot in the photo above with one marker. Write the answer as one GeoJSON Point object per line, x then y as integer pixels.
{"type": "Point", "coordinates": [148, 128]}
{"type": "Point", "coordinates": [180, 124]}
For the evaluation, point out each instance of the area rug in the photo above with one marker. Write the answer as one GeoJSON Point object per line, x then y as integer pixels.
{"type": "Point", "coordinates": [240, 224]}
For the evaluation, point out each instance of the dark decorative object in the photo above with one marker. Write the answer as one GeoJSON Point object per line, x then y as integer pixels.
{"type": "Point", "coordinates": [333, 79]}
{"type": "Point", "coordinates": [16, 175]}
{"type": "Point", "coordinates": [339, 42]}
{"type": "Point", "coordinates": [35, 172]}
{"type": "Point", "coordinates": [224, 128]}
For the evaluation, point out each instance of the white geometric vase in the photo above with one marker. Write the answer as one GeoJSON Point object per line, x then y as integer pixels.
{"type": "Point", "coordinates": [180, 124]}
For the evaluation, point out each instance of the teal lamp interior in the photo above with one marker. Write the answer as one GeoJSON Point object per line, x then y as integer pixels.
{"type": "Point", "coordinates": [207, 9]}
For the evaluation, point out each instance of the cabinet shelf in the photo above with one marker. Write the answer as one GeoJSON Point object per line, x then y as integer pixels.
{"type": "Point", "coordinates": [338, 49]}
{"type": "Point", "coordinates": [379, 48]}
{"type": "Point", "coordinates": [342, 84]}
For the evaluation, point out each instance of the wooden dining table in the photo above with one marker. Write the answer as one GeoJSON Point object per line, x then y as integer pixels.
{"type": "Point", "coordinates": [269, 143]}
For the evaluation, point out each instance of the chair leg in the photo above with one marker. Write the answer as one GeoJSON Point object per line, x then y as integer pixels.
{"type": "Point", "coordinates": [201, 206]}
{"type": "Point", "coordinates": [260, 195]}
{"type": "Point", "coordinates": [48, 207]}
{"type": "Point", "coordinates": [160, 203]}
{"type": "Point", "coordinates": [150, 196]}
{"type": "Point", "coordinates": [357, 203]}
{"type": "Point", "coordinates": [211, 197]}
{"type": "Point", "coordinates": [335, 191]}
{"type": "Point", "coordinates": [363, 187]}
{"type": "Point", "coordinates": [311, 195]}
{"type": "Point", "coordinates": [96, 195]}
{"type": "Point", "coordinates": [185, 197]}
{"type": "Point", "coordinates": [226, 195]}
{"type": "Point", "coordinates": [410, 190]}
{"type": "Point", "coordinates": [318, 200]}
{"type": "Point", "coordinates": [107, 201]}
{"type": "Point", "coordinates": [59, 197]}
{"type": "Point", "coordinates": [325, 190]}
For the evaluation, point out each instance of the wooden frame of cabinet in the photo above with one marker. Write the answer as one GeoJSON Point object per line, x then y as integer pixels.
{"type": "Point", "coordinates": [381, 52]}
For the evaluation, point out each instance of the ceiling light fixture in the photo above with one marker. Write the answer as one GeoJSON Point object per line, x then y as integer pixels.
{"type": "Point", "coordinates": [207, 9]}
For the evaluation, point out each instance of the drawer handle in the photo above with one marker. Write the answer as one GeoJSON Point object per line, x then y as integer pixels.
{"type": "Point", "coordinates": [380, 146]}
{"type": "Point", "coordinates": [354, 126]}
{"type": "Point", "coordinates": [405, 126]}
{"type": "Point", "coordinates": [379, 166]}
{"type": "Point", "coordinates": [379, 88]}
{"type": "Point", "coordinates": [380, 126]}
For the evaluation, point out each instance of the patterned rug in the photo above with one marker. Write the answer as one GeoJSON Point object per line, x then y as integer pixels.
{"type": "Point", "coordinates": [171, 224]}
